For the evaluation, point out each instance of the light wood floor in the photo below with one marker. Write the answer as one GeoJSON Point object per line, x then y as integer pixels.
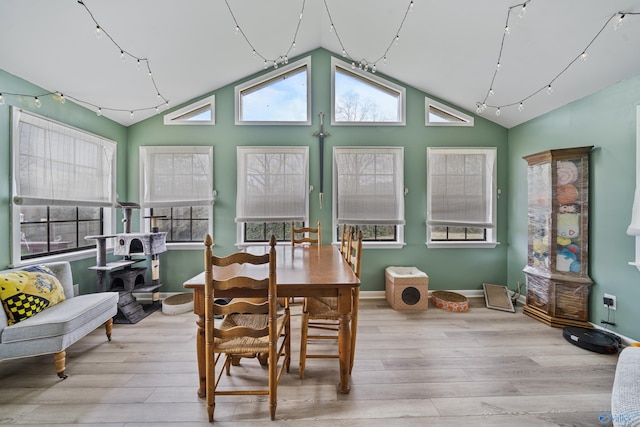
{"type": "Point", "coordinates": [436, 368]}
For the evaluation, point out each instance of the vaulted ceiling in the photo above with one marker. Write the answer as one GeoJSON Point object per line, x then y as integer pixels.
{"type": "Point", "coordinates": [446, 48]}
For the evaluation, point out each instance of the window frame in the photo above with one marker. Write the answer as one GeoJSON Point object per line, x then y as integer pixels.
{"type": "Point", "coordinates": [490, 232]}
{"type": "Point", "coordinates": [373, 80]}
{"type": "Point", "coordinates": [263, 81]}
{"type": "Point", "coordinates": [463, 119]}
{"type": "Point", "coordinates": [286, 240]}
{"type": "Point", "coordinates": [176, 117]}
{"type": "Point", "coordinates": [399, 241]}
{"type": "Point", "coordinates": [178, 244]}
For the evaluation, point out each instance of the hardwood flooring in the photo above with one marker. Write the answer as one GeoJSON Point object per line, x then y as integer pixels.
{"type": "Point", "coordinates": [482, 368]}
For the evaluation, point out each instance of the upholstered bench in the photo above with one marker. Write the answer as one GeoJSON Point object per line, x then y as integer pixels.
{"type": "Point", "coordinates": [54, 328]}
{"type": "Point", "coordinates": [625, 396]}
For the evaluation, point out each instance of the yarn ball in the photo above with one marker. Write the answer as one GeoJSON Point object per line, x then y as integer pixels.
{"type": "Point", "coordinates": [573, 248]}
{"type": "Point", "coordinates": [574, 267]}
{"type": "Point", "coordinates": [567, 194]}
{"type": "Point", "coordinates": [567, 172]}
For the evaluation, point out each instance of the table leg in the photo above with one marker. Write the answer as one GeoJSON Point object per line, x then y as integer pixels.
{"type": "Point", "coordinates": [198, 309]}
{"type": "Point", "coordinates": [344, 338]}
{"type": "Point", "coordinates": [200, 346]}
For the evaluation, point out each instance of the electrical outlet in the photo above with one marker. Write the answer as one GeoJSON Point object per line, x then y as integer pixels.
{"type": "Point", "coordinates": [609, 301]}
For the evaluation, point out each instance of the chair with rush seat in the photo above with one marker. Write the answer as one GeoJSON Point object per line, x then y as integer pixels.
{"type": "Point", "coordinates": [344, 240]}
{"type": "Point", "coordinates": [251, 325]}
{"type": "Point", "coordinates": [322, 312]}
{"type": "Point", "coordinates": [305, 235]}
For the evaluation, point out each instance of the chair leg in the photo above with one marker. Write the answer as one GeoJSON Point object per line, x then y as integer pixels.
{"type": "Point", "coordinates": [108, 326]}
{"type": "Point", "coordinates": [210, 409]}
{"type": "Point", "coordinates": [287, 331]}
{"type": "Point", "coordinates": [227, 363]}
{"type": "Point", "coordinates": [60, 359]}
{"type": "Point", "coordinates": [273, 379]}
{"type": "Point", "coordinates": [354, 325]}
{"type": "Point", "coordinates": [304, 332]}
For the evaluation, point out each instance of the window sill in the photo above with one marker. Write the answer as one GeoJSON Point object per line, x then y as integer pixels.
{"type": "Point", "coordinates": [70, 256]}
{"type": "Point", "coordinates": [186, 246]}
{"type": "Point", "coordinates": [458, 245]}
{"type": "Point", "coordinates": [242, 246]}
{"type": "Point", "coordinates": [378, 245]}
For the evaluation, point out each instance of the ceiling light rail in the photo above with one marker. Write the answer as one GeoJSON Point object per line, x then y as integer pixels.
{"type": "Point", "coordinates": [60, 97]}
{"type": "Point", "coordinates": [123, 55]}
{"type": "Point", "coordinates": [364, 64]}
{"type": "Point", "coordinates": [481, 106]}
{"type": "Point", "coordinates": [275, 62]}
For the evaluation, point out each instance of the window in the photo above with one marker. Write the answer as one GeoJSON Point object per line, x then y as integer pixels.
{"type": "Point", "coordinates": [461, 197]}
{"type": "Point", "coordinates": [63, 183]}
{"type": "Point", "coordinates": [49, 230]}
{"type": "Point", "coordinates": [272, 191]}
{"type": "Point", "coordinates": [361, 98]}
{"type": "Point", "coordinates": [260, 232]}
{"type": "Point", "coordinates": [368, 189]}
{"type": "Point", "coordinates": [437, 114]}
{"type": "Point", "coordinates": [282, 96]}
{"type": "Point", "coordinates": [199, 113]}
{"type": "Point", "coordinates": [176, 184]}
{"type": "Point", "coordinates": [183, 223]}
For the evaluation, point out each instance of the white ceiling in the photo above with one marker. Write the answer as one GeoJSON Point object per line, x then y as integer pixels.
{"type": "Point", "coordinates": [446, 48]}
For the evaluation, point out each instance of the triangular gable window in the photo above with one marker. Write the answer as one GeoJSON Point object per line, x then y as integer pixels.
{"type": "Point", "coordinates": [361, 98]}
{"type": "Point", "coordinates": [198, 113]}
{"type": "Point", "coordinates": [280, 97]}
{"type": "Point", "coordinates": [437, 114]}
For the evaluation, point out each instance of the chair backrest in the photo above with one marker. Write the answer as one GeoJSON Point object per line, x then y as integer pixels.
{"type": "Point", "coordinates": [345, 240]}
{"type": "Point", "coordinates": [354, 256]}
{"type": "Point", "coordinates": [228, 277]}
{"type": "Point", "coordinates": [305, 235]}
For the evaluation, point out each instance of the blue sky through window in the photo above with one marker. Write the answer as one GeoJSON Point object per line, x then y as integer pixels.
{"type": "Point", "coordinates": [358, 100]}
{"type": "Point", "coordinates": [283, 99]}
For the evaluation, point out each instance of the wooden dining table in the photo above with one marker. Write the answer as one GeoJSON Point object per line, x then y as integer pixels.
{"type": "Point", "coordinates": [301, 271]}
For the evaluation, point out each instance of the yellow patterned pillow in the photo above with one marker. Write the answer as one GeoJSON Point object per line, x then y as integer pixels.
{"type": "Point", "coordinates": [29, 291]}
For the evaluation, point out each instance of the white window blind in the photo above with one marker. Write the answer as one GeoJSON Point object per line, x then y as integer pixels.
{"type": "Point", "coordinates": [272, 184]}
{"type": "Point", "coordinates": [55, 164]}
{"type": "Point", "coordinates": [369, 185]}
{"type": "Point", "coordinates": [461, 187]}
{"type": "Point", "coordinates": [172, 176]}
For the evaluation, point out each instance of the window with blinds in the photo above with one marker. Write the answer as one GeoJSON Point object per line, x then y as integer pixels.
{"type": "Point", "coordinates": [272, 189]}
{"type": "Point", "coordinates": [461, 194]}
{"type": "Point", "coordinates": [63, 179]}
{"type": "Point", "coordinates": [176, 184]}
{"type": "Point", "coordinates": [368, 191]}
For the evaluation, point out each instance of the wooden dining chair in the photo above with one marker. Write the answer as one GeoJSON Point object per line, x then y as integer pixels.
{"type": "Point", "coordinates": [306, 235]}
{"type": "Point", "coordinates": [252, 324]}
{"type": "Point", "coordinates": [345, 241]}
{"type": "Point", "coordinates": [321, 313]}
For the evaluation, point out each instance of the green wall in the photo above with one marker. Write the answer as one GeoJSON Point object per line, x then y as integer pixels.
{"type": "Point", "coordinates": [71, 114]}
{"type": "Point", "coordinates": [606, 120]}
{"type": "Point", "coordinates": [447, 268]}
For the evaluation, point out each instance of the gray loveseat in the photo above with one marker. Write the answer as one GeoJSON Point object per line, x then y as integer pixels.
{"type": "Point", "coordinates": [55, 328]}
{"type": "Point", "coordinates": [625, 396]}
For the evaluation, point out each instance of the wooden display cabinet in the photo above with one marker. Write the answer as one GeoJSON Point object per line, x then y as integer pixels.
{"type": "Point", "coordinates": [557, 270]}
